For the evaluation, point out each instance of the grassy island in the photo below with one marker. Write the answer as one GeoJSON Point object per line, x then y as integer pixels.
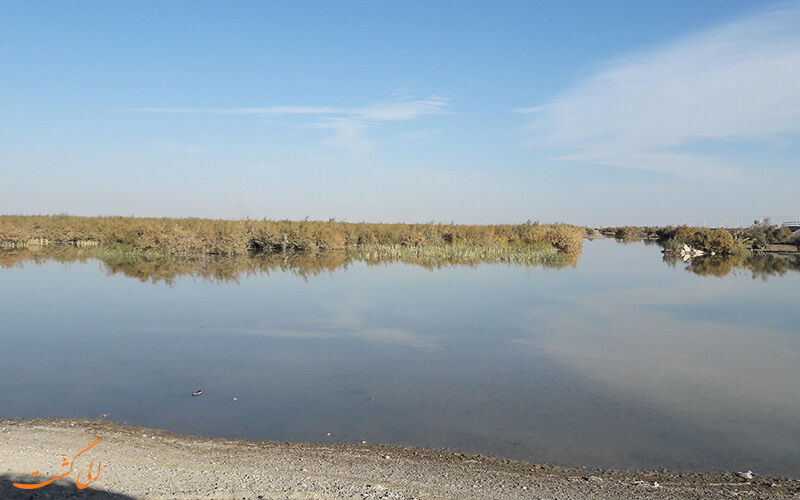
{"type": "Point", "coordinates": [427, 244]}
{"type": "Point", "coordinates": [721, 241]}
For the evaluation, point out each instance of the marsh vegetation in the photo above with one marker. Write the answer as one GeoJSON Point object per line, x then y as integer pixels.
{"type": "Point", "coordinates": [192, 237]}
{"type": "Point", "coordinates": [720, 241]}
{"type": "Point", "coordinates": [757, 265]}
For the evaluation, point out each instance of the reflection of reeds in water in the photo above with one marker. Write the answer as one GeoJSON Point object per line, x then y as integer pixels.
{"type": "Point", "coordinates": [759, 265]}
{"type": "Point", "coordinates": [155, 265]}
{"type": "Point", "coordinates": [161, 249]}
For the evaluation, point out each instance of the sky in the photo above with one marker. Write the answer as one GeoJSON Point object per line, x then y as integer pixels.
{"type": "Point", "coordinates": [591, 113]}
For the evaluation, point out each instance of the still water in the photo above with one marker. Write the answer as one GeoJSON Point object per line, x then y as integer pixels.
{"type": "Point", "coordinates": [620, 361]}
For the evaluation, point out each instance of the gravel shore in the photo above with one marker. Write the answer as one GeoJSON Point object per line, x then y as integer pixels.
{"type": "Point", "coordinates": [145, 463]}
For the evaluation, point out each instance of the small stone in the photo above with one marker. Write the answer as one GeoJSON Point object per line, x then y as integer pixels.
{"type": "Point", "coordinates": [595, 479]}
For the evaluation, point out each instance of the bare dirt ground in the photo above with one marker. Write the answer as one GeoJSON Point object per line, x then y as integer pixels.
{"type": "Point", "coordinates": [137, 462]}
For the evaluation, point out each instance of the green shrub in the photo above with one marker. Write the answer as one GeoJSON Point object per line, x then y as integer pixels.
{"type": "Point", "coordinates": [762, 235]}
{"type": "Point", "coordinates": [719, 241]}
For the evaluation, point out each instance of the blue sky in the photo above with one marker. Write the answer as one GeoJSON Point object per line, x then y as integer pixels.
{"type": "Point", "coordinates": [474, 112]}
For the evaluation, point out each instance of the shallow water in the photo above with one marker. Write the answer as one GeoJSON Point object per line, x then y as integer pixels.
{"type": "Point", "coordinates": [622, 361]}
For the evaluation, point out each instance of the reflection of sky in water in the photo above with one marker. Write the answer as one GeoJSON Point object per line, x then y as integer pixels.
{"type": "Point", "coordinates": [620, 362]}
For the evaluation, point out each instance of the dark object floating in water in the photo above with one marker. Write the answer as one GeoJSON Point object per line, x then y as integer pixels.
{"type": "Point", "coordinates": [197, 393]}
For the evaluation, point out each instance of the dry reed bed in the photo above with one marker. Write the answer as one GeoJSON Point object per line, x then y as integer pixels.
{"type": "Point", "coordinates": [192, 237]}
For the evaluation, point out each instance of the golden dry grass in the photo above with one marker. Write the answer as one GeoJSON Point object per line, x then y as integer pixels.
{"type": "Point", "coordinates": [192, 236]}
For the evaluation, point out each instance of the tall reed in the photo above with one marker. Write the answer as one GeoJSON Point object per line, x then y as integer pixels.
{"type": "Point", "coordinates": [192, 236]}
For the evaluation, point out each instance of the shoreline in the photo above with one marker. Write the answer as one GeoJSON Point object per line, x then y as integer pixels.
{"type": "Point", "coordinates": [142, 462]}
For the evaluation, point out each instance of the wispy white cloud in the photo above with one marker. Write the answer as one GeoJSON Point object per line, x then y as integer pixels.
{"type": "Point", "coordinates": [402, 110]}
{"type": "Point", "coordinates": [261, 111]}
{"type": "Point", "coordinates": [529, 110]}
{"type": "Point", "coordinates": [349, 125]}
{"type": "Point", "coordinates": [731, 83]}
{"type": "Point", "coordinates": [348, 134]}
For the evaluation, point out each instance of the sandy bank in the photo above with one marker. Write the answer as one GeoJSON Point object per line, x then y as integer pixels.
{"type": "Point", "coordinates": [138, 462]}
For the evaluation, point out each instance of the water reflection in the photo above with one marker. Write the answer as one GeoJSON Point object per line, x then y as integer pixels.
{"type": "Point", "coordinates": [155, 267]}
{"type": "Point", "coordinates": [619, 361]}
{"type": "Point", "coordinates": [758, 265]}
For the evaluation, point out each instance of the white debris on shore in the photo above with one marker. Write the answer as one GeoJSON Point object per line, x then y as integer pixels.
{"type": "Point", "coordinates": [686, 252]}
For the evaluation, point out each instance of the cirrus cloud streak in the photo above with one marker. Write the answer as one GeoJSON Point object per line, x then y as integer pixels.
{"type": "Point", "coordinates": [349, 125]}
{"type": "Point", "coordinates": [677, 107]}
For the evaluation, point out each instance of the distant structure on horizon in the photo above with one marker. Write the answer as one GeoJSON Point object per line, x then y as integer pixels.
{"type": "Point", "coordinates": [793, 225]}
